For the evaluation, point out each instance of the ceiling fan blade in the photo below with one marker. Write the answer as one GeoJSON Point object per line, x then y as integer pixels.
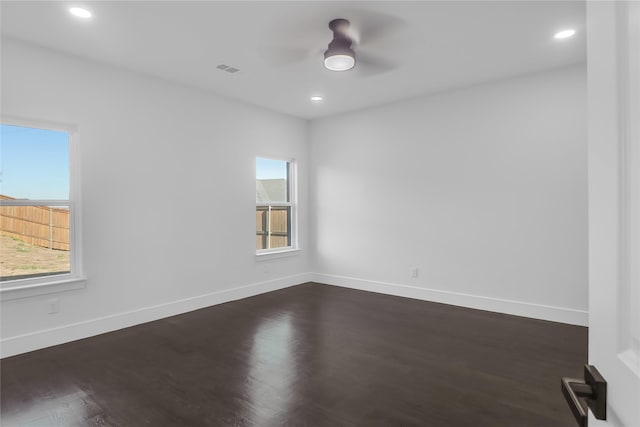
{"type": "Point", "coordinates": [370, 65]}
{"type": "Point", "coordinates": [369, 26]}
{"type": "Point", "coordinates": [283, 56]}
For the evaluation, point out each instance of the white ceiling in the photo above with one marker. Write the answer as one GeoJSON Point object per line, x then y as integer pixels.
{"type": "Point", "coordinates": [420, 47]}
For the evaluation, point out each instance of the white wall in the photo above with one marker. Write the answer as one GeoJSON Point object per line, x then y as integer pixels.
{"type": "Point", "coordinates": [483, 190]}
{"type": "Point", "coordinates": [168, 190]}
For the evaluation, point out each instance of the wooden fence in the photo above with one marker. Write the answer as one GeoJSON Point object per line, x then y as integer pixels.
{"type": "Point", "coordinates": [279, 227]}
{"type": "Point", "coordinates": [43, 226]}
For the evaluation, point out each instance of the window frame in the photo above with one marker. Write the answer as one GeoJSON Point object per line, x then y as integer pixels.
{"type": "Point", "coordinates": [45, 284]}
{"type": "Point", "coordinates": [292, 204]}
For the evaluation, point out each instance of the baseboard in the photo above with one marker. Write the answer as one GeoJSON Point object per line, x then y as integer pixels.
{"type": "Point", "coordinates": [19, 344]}
{"type": "Point", "coordinates": [517, 308]}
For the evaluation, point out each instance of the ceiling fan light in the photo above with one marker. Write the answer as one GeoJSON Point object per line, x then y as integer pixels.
{"type": "Point", "coordinates": [339, 61]}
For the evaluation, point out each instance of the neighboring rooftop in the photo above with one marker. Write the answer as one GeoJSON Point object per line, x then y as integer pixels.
{"type": "Point", "coordinates": [271, 190]}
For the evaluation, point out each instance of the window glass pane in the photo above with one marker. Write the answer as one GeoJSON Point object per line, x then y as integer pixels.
{"type": "Point", "coordinates": [262, 227]}
{"type": "Point", "coordinates": [273, 227]}
{"type": "Point", "coordinates": [34, 241]}
{"type": "Point", "coordinates": [280, 226]}
{"type": "Point", "coordinates": [34, 163]}
{"type": "Point", "coordinates": [272, 180]}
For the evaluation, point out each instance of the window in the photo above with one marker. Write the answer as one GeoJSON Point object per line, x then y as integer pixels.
{"type": "Point", "coordinates": [36, 210]}
{"type": "Point", "coordinates": [275, 205]}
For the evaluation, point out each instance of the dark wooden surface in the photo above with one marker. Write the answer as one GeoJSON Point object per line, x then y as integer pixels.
{"type": "Point", "coordinates": [310, 355]}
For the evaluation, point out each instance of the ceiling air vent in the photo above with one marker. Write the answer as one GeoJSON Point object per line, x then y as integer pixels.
{"type": "Point", "coordinates": [227, 68]}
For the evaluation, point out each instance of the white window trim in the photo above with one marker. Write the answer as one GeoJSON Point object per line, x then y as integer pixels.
{"type": "Point", "coordinates": [28, 287]}
{"type": "Point", "coordinates": [292, 182]}
{"type": "Point", "coordinates": [278, 253]}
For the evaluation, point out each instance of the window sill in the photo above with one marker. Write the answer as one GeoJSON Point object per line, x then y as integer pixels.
{"type": "Point", "coordinates": [263, 256]}
{"type": "Point", "coordinates": [35, 289]}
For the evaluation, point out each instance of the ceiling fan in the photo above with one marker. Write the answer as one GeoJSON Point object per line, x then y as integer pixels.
{"type": "Point", "coordinates": [366, 43]}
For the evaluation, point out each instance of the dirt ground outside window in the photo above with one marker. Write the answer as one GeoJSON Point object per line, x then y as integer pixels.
{"type": "Point", "coordinates": [18, 258]}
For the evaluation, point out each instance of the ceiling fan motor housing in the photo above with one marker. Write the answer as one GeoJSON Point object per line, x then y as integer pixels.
{"type": "Point", "coordinates": [341, 43]}
{"type": "Point", "coordinates": [339, 46]}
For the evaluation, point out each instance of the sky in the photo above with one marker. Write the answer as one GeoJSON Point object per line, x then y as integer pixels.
{"type": "Point", "coordinates": [34, 163]}
{"type": "Point", "coordinates": [270, 169]}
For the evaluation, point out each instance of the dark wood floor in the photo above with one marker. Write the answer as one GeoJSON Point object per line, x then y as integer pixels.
{"type": "Point", "coordinates": [310, 355]}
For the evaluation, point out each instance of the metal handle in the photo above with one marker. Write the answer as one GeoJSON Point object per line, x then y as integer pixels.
{"type": "Point", "coordinates": [588, 393]}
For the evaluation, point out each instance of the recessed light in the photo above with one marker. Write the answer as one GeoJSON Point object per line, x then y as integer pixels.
{"type": "Point", "coordinates": [564, 34]}
{"type": "Point", "coordinates": [316, 98]}
{"type": "Point", "coordinates": [80, 12]}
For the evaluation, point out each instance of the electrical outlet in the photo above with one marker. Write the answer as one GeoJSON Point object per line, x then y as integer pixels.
{"type": "Point", "coordinates": [414, 272]}
{"type": "Point", "coordinates": [54, 306]}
